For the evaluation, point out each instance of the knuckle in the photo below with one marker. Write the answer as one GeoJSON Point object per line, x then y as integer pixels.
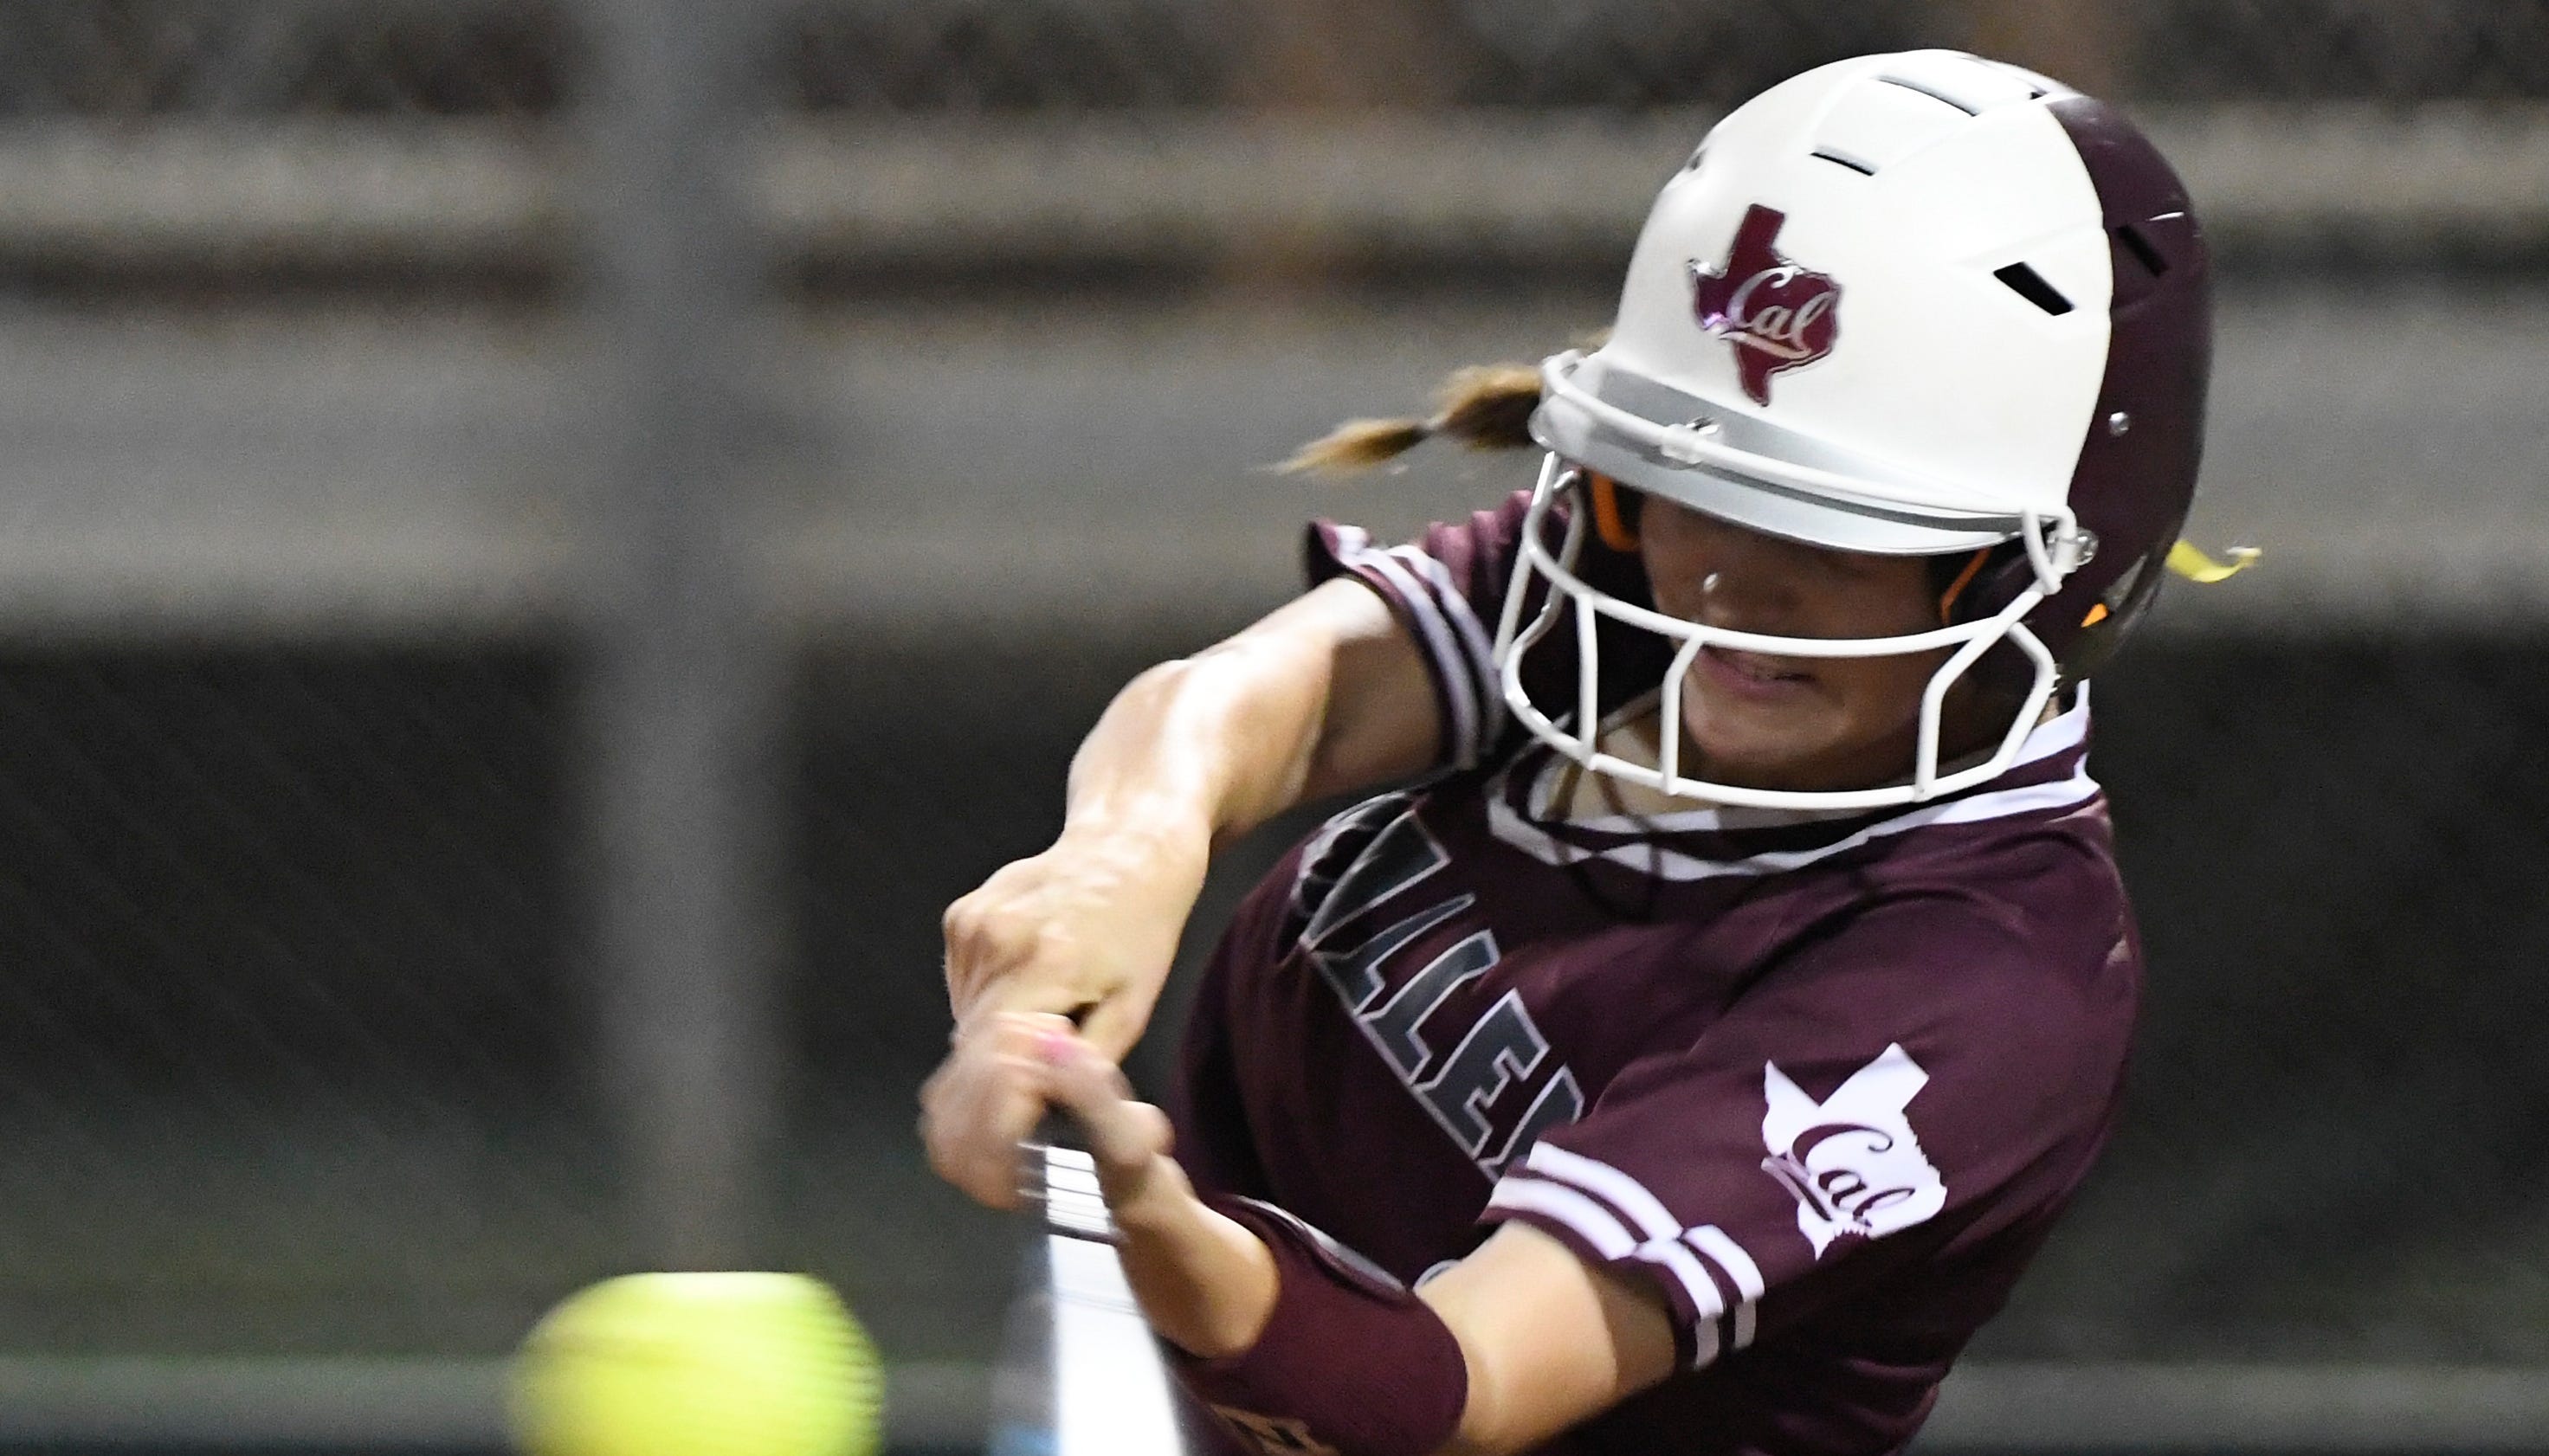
{"type": "Point", "coordinates": [1010, 931]}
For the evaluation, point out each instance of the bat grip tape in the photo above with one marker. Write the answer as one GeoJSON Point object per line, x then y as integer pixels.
{"type": "Point", "coordinates": [1351, 1359]}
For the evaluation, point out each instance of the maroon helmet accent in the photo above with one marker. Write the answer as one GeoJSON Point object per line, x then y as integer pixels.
{"type": "Point", "coordinates": [2135, 476]}
{"type": "Point", "coordinates": [1776, 314]}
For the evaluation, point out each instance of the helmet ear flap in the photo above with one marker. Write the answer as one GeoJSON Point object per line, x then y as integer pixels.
{"type": "Point", "coordinates": [2116, 611]}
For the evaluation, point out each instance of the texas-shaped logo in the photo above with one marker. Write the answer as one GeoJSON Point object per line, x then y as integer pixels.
{"type": "Point", "coordinates": [1777, 315]}
{"type": "Point", "coordinates": [1851, 1160]}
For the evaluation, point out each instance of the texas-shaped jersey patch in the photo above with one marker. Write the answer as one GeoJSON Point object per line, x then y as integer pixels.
{"type": "Point", "coordinates": [1852, 1160]}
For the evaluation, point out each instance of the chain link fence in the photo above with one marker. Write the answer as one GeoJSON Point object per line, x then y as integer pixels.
{"type": "Point", "coordinates": [468, 58]}
{"type": "Point", "coordinates": [289, 1041]}
{"type": "Point", "coordinates": [226, 145]}
{"type": "Point", "coordinates": [297, 1048]}
{"type": "Point", "coordinates": [139, 58]}
{"type": "Point", "coordinates": [303, 1032]}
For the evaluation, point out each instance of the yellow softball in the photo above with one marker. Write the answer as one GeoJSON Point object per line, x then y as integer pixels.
{"type": "Point", "coordinates": [699, 1365]}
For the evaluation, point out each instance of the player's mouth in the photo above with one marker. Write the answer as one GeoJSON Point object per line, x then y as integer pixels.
{"type": "Point", "coordinates": [1752, 674]}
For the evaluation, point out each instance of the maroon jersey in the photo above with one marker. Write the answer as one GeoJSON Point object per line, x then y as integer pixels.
{"type": "Point", "coordinates": [1821, 1079]}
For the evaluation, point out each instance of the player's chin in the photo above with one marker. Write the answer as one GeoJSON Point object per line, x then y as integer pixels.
{"type": "Point", "coordinates": [1746, 740]}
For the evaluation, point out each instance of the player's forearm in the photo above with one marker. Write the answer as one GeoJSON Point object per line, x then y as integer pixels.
{"type": "Point", "coordinates": [1327, 694]}
{"type": "Point", "coordinates": [1189, 753]}
{"type": "Point", "coordinates": [1206, 1284]}
{"type": "Point", "coordinates": [1201, 749]}
{"type": "Point", "coordinates": [1204, 1281]}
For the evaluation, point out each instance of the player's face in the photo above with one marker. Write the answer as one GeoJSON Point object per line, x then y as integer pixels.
{"type": "Point", "coordinates": [1811, 723]}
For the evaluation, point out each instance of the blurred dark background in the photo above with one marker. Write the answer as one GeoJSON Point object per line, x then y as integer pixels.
{"type": "Point", "coordinates": [541, 544]}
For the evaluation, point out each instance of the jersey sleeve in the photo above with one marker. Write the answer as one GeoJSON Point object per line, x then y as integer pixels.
{"type": "Point", "coordinates": [1448, 588]}
{"type": "Point", "coordinates": [1918, 1080]}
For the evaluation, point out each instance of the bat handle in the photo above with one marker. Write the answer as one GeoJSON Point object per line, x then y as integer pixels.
{"type": "Point", "coordinates": [1056, 1132]}
{"type": "Point", "coordinates": [1057, 1176]}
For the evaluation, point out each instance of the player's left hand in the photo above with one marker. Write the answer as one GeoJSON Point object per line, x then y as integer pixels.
{"type": "Point", "coordinates": [984, 1100]}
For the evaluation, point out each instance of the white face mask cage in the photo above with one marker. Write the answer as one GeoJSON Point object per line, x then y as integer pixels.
{"type": "Point", "coordinates": [1570, 597]}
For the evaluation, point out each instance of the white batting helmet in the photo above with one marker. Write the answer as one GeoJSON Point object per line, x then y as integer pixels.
{"type": "Point", "coordinates": [1920, 303]}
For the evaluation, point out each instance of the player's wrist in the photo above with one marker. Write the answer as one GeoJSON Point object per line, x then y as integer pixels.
{"type": "Point", "coordinates": [1153, 1202]}
{"type": "Point", "coordinates": [1158, 841]}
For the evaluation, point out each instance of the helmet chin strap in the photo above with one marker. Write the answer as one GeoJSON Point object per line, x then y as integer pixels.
{"type": "Point", "coordinates": [1956, 587]}
{"type": "Point", "coordinates": [1615, 523]}
{"type": "Point", "coordinates": [1570, 597]}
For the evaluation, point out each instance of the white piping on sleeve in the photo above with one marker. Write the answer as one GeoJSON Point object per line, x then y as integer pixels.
{"type": "Point", "coordinates": [1687, 1254]}
{"type": "Point", "coordinates": [1612, 1242]}
{"type": "Point", "coordinates": [1590, 1221]}
{"type": "Point", "coordinates": [1729, 1256]}
{"type": "Point", "coordinates": [1473, 636]}
{"type": "Point", "coordinates": [1440, 641]}
{"type": "Point", "coordinates": [1718, 1248]}
{"type": "Point", "coordinates": [1669, 1255]}
{"type": "Point", "coordinates": [1616, 1188]}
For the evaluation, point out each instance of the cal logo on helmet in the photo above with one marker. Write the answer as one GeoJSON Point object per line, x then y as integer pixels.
{"type": "Point", "coordinates": [1777, 315]}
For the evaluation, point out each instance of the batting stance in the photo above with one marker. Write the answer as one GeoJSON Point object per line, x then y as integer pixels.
{"type": "Point", "coordinates": [1692, 1058]}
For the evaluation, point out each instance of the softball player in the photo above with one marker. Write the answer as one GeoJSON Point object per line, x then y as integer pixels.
{"type": "Point", "coordinates": [1694, 1056]}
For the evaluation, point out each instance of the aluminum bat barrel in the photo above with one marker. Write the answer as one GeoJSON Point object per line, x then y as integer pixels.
{"type": "Point", "coordinates": [1080, 1372]}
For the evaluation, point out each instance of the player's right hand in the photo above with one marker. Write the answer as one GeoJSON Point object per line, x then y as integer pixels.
{"type": "Point", "coordinates": [982, 1102]}
{"type": "Point", "coordinates": [998, 1082]}
{"type": "Point", "coordinates": [1086, 930]}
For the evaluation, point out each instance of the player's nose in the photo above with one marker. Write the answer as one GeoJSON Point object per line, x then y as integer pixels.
{"type": "Point", "coordinates": [1745, 597]}
{"type": "Point", "coordinates": [1726, 576]}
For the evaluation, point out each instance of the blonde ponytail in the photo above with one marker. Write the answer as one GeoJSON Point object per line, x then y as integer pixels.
{"type": "Point", "coordinates": [1485, 406]}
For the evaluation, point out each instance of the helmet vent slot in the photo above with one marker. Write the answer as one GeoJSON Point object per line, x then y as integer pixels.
{"type": "Point", "coordinates": [1931, 92]}
{"type": "Point", "coordinates": [1864, 169]}
{"type": "Point", "coordinates": [2139, 243]}
{"type": "Point", "coordinates": [2030, 284]}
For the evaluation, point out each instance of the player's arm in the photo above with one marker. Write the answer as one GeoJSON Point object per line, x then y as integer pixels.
{"type": "Point", "coordinates": [1541, 1339]}
{"type": "Point", "coordinates": [1515, 1343]}
{"type": "Point", "coordinates": [1326, 694]}
{"type": "Point", "coordinates": [1549, 1339]}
